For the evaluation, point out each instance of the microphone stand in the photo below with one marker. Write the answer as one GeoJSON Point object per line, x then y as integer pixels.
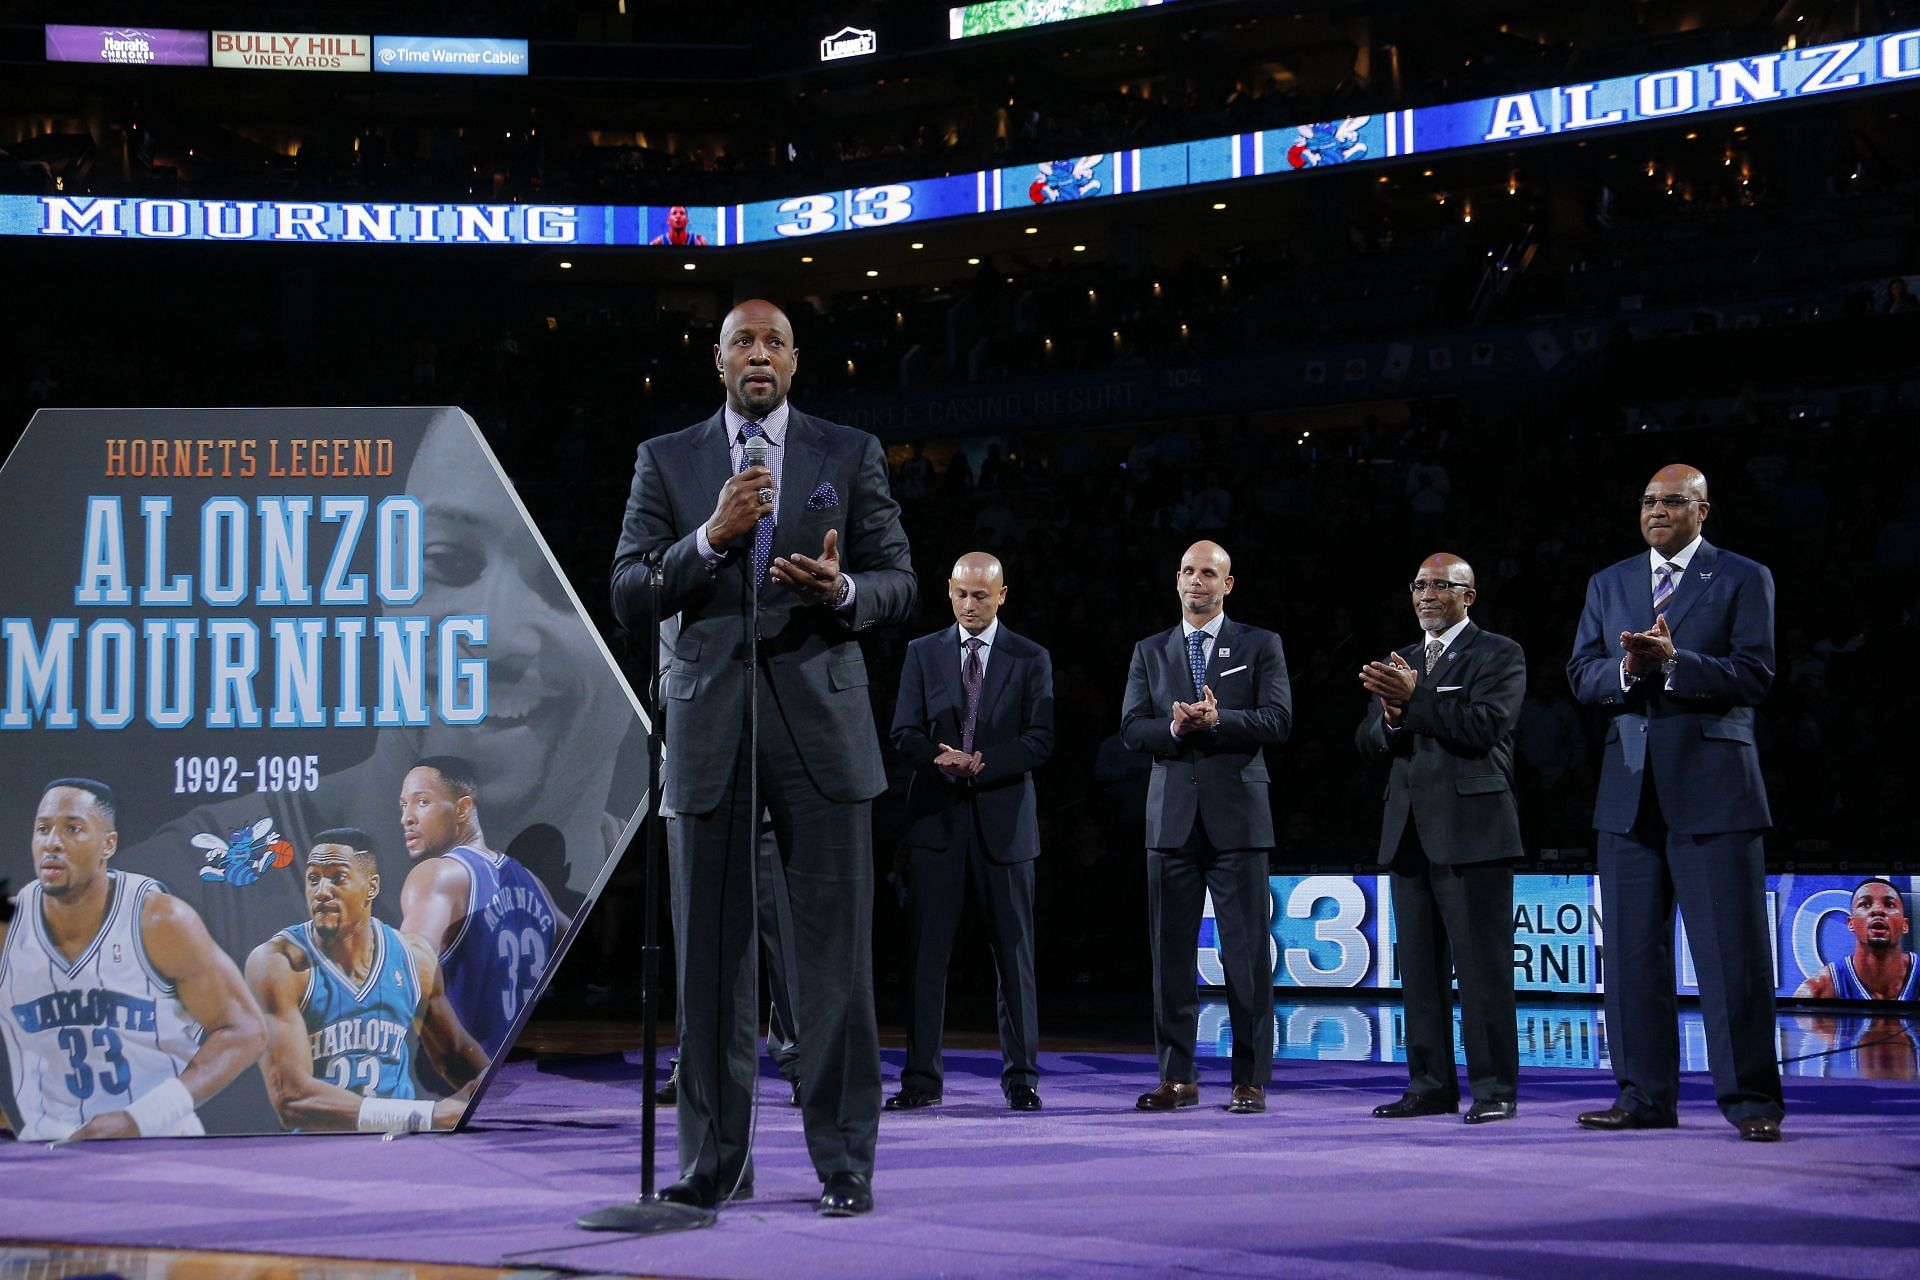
{"type": "Point", "coordinates": [650, 1215]}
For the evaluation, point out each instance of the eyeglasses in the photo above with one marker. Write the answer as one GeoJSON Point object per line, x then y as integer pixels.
{"type": "Point", "coordinates": [1671, 501]}
{"type": "Point", "coordinates": [1421, 584]}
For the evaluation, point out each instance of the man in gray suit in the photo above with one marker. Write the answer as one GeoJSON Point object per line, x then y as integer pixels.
{"type": "Point", "coordinates": [1205, 699]}
{"type": "Point", "coordinates": [1443, 713]}
{"type": "Point", "coordinates": [750, 553]}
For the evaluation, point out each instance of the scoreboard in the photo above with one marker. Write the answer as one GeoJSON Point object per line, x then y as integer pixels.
{"type": "Point", "coordinates": [1843, 67]}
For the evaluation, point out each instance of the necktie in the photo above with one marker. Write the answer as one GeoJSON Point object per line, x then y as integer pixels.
{"type": "Point", "coordinates": [763, 531]}
{"type": "Point", "coordinates": [971, 674]}
{"type": "Point", "coordinates": [1434, 650]}
{"type": "Point", "coordinates": [1197, 662]}
{"type": "Point", "coordinates": [1663, 589]}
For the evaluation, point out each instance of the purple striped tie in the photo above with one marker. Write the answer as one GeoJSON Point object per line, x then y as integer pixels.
{"type": "Point", "coordinates": [970, 677]}
{"type": "Point", "coordinates": [1663, 590]}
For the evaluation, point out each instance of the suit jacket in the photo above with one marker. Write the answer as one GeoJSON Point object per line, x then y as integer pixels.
{"type": "Point", "coordinates": [1013, 732]}
{"type": "Point", "coordinates": [808, 652]}
{"type": "Point", "coordinates": [1693, 730]}
{"type": "Point", "coordinates": [1452, 759]}
{"type": "Point", "coordinates": [1248, 675]}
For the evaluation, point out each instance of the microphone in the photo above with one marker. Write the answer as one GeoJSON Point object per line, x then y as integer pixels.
{"type": "Point", "coordinates": [757, 456]}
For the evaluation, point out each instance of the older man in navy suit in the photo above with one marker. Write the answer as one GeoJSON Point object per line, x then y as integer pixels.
{"type": "Point", "coordinates": [1676, 647]}
{"type": "Point", "coordinates": [784, 560]}
{"type": "Point", "coordinates": [1206, 699]}
{"type": "Point", "coordinates": [975, 719]}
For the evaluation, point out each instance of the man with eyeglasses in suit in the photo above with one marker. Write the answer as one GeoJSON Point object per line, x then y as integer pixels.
{"type": "Point", "coordinates": [1676, 648]}
{"type": "Point", "coordinates": [1442, 715]}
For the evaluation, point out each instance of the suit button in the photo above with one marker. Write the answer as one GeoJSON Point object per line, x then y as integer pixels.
{"type": "Point", "coordinates": [1643, 728]}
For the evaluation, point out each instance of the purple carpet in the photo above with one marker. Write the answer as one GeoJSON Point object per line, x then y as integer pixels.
{"type": "Point", "coordinates": [1086, 1187]}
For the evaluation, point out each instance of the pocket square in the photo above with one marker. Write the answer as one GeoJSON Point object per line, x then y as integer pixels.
{"type": "Point", "coordinates": [1236, 671]}
{"type": "Point", "coordinates": [1448, 688]}
{"type": "Point", "coordinates": [825, 498]}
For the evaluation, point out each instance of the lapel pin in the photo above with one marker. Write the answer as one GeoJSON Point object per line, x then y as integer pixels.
{"type": "Point", "coordinates": [1226, 653]}
{"type": "Point", "coordinates": [1706, 577]}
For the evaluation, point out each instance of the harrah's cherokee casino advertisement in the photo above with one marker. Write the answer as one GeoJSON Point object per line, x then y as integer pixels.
{"type": "Point", "coordinates": [310, 760]}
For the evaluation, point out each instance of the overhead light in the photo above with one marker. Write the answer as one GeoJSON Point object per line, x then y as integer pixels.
{"type": "Point", "coordinates": [1033, 231]}
{"type": "Point", "coordinates": [1219, 205]}
{"type": "Point", "coordinates": [973, 262]}
{"type": "Point", "coordinates": [566, 266]}
{"type": "Point", "coordinates": [807, 258]}
{"type": "Point", "coordinates": [1079, 248]}
{"type": "Point", "coordinates": [687, 266]}
{"type": "Point", "coordinates": [918, 245]}
{"type": "Point", "coordinates": [871, 273]}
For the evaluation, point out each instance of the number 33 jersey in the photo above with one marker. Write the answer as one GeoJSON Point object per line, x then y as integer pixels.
{"type": "Point", "coordinates": [500, 949]}
{"type": "Point", "coordinates": [89, 1037]}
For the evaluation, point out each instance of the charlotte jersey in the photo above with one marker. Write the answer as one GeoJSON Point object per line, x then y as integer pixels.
{"type": "Point", "coordinates": [500, 951]}
{"type": "Point", "coordinates": [359, 1030]}
{"type": "Point", "coordinates": [1847, 984]}
{"type": "Point", "coordinates": [87, 1038]}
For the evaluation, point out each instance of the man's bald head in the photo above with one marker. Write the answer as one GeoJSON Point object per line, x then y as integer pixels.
{"type": "Point", "coordinates": [1204, 581]}
{"type": "Point", "coordinates": [756, 356]}
{"type": "Point", "coordinates": [1673, 507]}
{"type": "Point", "coordinates": [1442, 590]}
{"type": "Point", "coordinates": [976, 590]}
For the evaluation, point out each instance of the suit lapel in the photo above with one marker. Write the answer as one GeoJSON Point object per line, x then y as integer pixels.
{"type": "Point", "coordinates": [1636, 579]}
{"type": "Point", "coordinates": [1000, 665]}
{"type": "Point", "coordinates": [947, 654]}
{"type": "Point", "coordinates": [1456, 659]}
{"type": "Point", "coordinates": [799, 477]}
{"type": "Point", "coordinates": [1227, 643]}
{"type": "Point", "coordinates": [1182, 674]}
{"type": "Point", "coordinates": [711, 459]}
{"type": "Point", "coordinates": [1694, 583]}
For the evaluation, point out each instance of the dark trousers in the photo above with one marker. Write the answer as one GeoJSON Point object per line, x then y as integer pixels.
{"type": "Point", "coordinates": [826, 849]}
{"type": "Point", "coordinates": [1178, 881]}
{"type": "Point", "coordinates": [1456, 920]}
{"type": "Point", "coordinates": [936, 889]}
{"type": "Point", "coordinates": [1719, 882]}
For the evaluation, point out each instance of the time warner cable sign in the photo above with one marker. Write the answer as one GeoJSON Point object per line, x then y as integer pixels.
{"type": "Point", "coordinates": [449, 55]}
{"type": "Point", "coordinates": [312, 765]}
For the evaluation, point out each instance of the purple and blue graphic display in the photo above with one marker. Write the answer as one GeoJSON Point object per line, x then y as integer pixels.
{"type": "Point", "coordinates": [1336, 932]}
{"type": "Point", "coordinates": [1843, 67]}
{"type": "Point", "coordinates": [127, 46]}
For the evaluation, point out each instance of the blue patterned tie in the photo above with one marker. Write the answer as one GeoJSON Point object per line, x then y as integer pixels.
{"type": "Point", "coordinates": [1663, 590]}
{"type": "Point", "coordinates": [763, 531]}
{"type": "Point", "coordinates": [1197, 662]}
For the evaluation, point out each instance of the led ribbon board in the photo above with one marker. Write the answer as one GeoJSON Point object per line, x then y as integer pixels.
{"type": "Point", "coordinates": [1843, 67]}
{"type": "Point", "coordinates": [252, 625]}
{"type": "Point", "coordinates": [1335, 932]}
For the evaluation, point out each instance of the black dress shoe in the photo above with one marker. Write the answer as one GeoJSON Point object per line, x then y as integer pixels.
{"type": "Point", "coordinates": [669, 1093]}
{"type": "Point", "coordinates": [1023, 1098]}
{"type": "Point", "coordinates": [702, 1191]}
{"type": "Point", "coordinates": [1414, 1104]}
{"type": "Point", "coordinates": [1488, 1112]}
{"type": "Point", "coordinates": [1759, 1129]}
{"type": "Point", "coordinates": [1619, 1120]}
{"type": "Point", "coordinates": [1170, 1095]}
{"type": "Point", "coordinates": [912, 1098]}
{"type": "Point", "coordinates": [845, 1195]}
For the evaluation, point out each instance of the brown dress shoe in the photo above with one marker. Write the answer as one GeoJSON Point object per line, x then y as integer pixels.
{"type": "Point", "coordinates": [1247, 1099]}
{"type": "Point", "coordinates": [1169, 1095]}
{"type": "Point", "coordinates": [1759, 1129]}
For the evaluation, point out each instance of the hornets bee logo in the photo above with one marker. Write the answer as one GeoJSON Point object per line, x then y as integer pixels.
{"type": "Point", "coordinates": [243, 856]}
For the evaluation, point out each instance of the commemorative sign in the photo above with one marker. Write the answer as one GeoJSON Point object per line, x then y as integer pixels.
{"type": "Point", "coordinates": [312, 765]}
